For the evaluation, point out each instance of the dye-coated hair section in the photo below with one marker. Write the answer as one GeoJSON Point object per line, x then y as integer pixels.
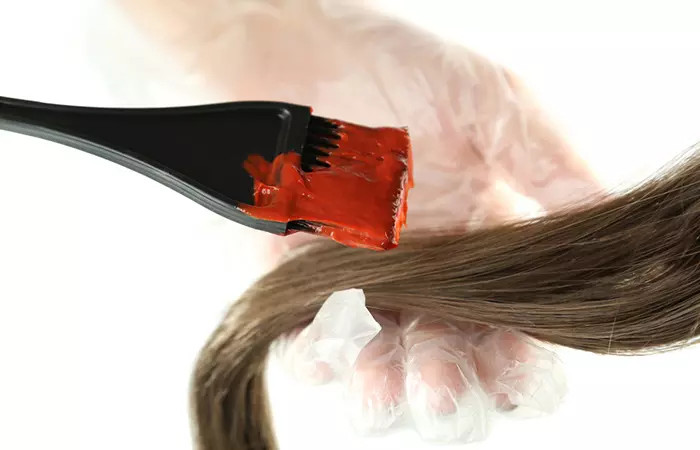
{"type": "Point", "coordinates": [620, 277]}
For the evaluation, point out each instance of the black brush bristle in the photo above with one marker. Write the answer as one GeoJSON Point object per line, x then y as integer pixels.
{"type": "Point", "coordinates": [304, 226]}
{"type": "Point", "coordinates": [321, 138]}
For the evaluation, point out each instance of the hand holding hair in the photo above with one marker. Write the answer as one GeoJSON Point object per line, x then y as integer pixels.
{"type": "Point", "coordinates": [468, 287]}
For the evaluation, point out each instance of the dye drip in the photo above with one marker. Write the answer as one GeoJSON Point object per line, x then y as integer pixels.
{"type": "Point", "coordinates": [359, 200]}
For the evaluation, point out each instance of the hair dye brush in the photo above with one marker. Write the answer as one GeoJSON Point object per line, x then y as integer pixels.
{"type": "Point", "coordinates": [270, 166]}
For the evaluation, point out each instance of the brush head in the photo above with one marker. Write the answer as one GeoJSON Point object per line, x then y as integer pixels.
{"type": "Point", "coordinates": [307, 173]}
{"type": "Point", "coordinates": [349, 183]}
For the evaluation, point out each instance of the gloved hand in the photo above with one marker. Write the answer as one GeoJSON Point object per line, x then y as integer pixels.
{"type": "Point", "coordinates": [474, 130]}
{"type": "Point", "coordinates": [448, 378]}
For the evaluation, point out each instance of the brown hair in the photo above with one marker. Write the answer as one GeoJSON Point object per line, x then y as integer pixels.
{"type": "Point", "coordinates": [622, 276]}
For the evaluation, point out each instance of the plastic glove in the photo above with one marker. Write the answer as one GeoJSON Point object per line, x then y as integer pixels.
{"type": "Point", "coordinates": [473, 128]}
{"type": "Point", "coordinates": [445, 378]}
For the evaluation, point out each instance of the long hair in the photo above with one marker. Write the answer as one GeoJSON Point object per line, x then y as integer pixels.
{"type": "Point", "coordinates": [619, 277]}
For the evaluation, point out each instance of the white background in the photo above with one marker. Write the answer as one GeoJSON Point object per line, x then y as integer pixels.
{"type": "Point", "coordinates": [109, 282]}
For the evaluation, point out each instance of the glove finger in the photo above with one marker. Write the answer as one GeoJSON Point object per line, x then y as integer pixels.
{"type": "Point", "coordinates": [445, 398]}
{"type": "Point", "coordinates": [330, 345]}
{"type": "Point", "coordinates": [520, 375]}
{"type": "Point", "coordinates": [375, 389]}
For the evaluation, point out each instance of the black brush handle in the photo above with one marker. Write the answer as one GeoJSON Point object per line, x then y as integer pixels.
{"type": "Point", "coordinates": [197, 151]}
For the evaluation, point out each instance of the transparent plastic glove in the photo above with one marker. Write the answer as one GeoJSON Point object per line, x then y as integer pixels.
{"type": "Point", "coordinates": [480, 142]}
{"type": "Point", "coordinates": [444, 380]}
